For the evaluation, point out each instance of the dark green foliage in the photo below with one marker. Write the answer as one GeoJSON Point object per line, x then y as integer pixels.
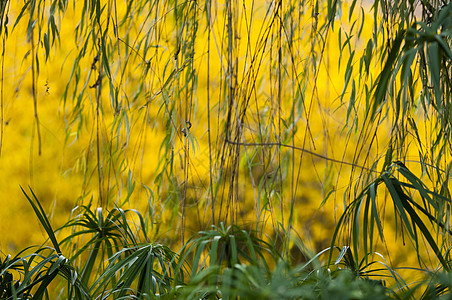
{"type": "Point", "coordinates": [30, 276]}
{"type": "Point", "coordinates": [225, 262]}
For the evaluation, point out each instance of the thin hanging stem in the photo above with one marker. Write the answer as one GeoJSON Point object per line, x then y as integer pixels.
{"type": "Point", "coordinates": [33, 88]}
{"type": "Point", "coordinates": [212, 197]}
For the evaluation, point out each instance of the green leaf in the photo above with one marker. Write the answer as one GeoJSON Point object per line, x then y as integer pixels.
{"type": "Point", "coordinates": [386, 74]}
{"type": "Point", "coordinates": [373, 192]}
{"type": "Point", "coordinates": [39, 211]}
{"type": "Point", "coordinates": [46, 45]}
{"type": "Point", "coordinates": [434, 63]}
{"type": "Point", "coordinates": [399, 201]}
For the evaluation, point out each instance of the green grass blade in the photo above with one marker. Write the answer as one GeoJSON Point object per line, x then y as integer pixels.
{"type": "Point", "coordinates": [39, 211]}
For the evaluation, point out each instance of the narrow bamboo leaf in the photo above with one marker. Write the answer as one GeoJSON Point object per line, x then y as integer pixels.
{"type": "Point", "coordinates": [214, 250]}
{"type": "Point", "coordinates": [355, 228]}
{"type": "Point", "coordinates": [54, 29]}
{"type": "Point", "coordinates": [234, 256]}
{"type": "Point", "coordinates": [363, 17]}
{"type": "Point", "coordinates": [196, 259]}
{"type": "Point", "coordinates": [372, 191]}
{"type": "Point", "coordinates": [367, 234]}
{"type": "Point", "coordinates": [335, 235]}
{"type": "Point", "coordinates": [444, 46]}
{"type": "Point", "coordinates": [41, 291]}
{"type": "Point", "coordinates": [39, 211]}
{"type": "Point", "coordinates": [228, 282]}
{"type": "Point", "coordinates": [386, 74]}
{"type": "Point", "coordinates": [368, 55]}
{"type": "Point", "coordinates": [417, 184]}
{"type": "Point", "coordinates": [24, 8]}
{"type": "Point", "coordinates": [388, 157]}
{"type": "Point", "coordinates": [398, 203]}
{"type": "Point", "coordinates": [90, 263]}
{"type": "Point", "coordinates": [420, 224]}
{"type": "Point", "coordinates": [46, 45]}
{"type": "Point", "coordinates": [250, 248]}
{"type": "Point", "coordinates": [350, 11]}
{"type": "Point", "coordinates": [434, 63]}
